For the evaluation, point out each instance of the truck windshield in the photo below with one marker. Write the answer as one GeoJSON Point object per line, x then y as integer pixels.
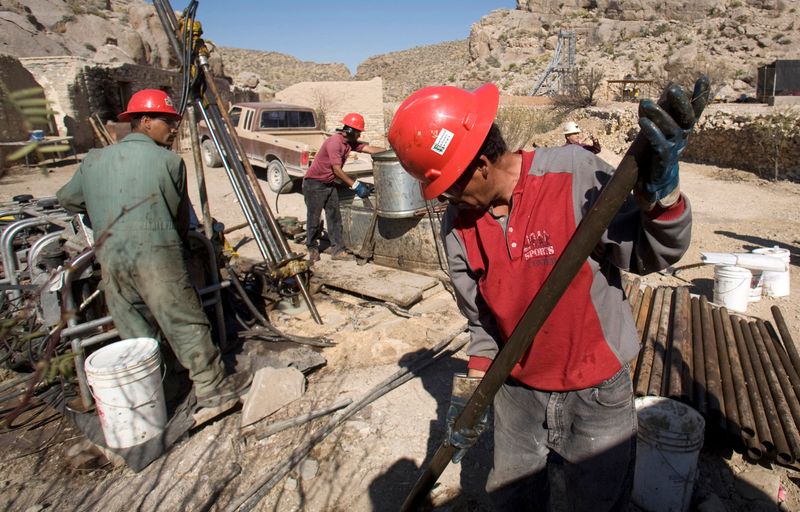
{"type": "Point", "coordinates": [287, 119]}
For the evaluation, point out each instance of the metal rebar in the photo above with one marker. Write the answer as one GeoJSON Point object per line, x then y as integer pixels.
{"type": "Point", "coordinates": [279, 426]}
{"type": "Point", "coordinates": [763, 434]}
{"type": "Point", "coordinates": [699, 389]}
{"type": "Point", "coordinates": [642, 378]}
{"type": "Point", "coordinates": [677, 360]}
{"type": "Point", "coordinates": [716, 405]}
{"type": "Point", "coordinates": [660, 345]}
{"type": "Point", "coordinates": [747, 426]}
{"type": "Point", "coordinates": [780, 386]}
{"type": "Point", "coordinates": [732, 420]}
{"type": "Point", "coordinates": [782, 451]}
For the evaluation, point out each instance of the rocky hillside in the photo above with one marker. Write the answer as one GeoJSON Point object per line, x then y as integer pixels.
{"type": "Point", "coordinates": [654, 39]}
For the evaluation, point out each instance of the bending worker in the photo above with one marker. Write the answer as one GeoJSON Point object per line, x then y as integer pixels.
{"type": "Point", "coordinates": [319, 189]}
{"type": "Point", "coordinates": [565, 417]}
{"type": "Point", "coordinates": [135, 195]}
{"type": "Point", "coordinates": [572, 136]}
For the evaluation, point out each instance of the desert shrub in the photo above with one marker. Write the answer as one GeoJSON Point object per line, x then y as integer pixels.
{"type": "Point", "coordinates": [492, 61]}
{"type": "Point", "coordinates": [519, 124]}
{"type": "Point", "coordinates": [775, 131]}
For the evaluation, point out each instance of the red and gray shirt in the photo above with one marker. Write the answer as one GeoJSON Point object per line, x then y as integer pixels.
{"type": "Point", "coordinates": [334, 151]}
{"type": "Point", "coordinates": [498, 264]}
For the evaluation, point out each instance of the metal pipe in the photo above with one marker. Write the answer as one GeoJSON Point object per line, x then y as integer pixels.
{"type": "Point", "coordinates": [69, 311]}
{"type": "Point", "coordinates": [732, 419]}
{"type": "Point", "coordinates": [763, 434]}
{"type": "Point", "coordinates": [9, 257]}
{"type": "Point", "coordinates": [634, 295]}
{"type": "Point", "coordinates": [780, 386]}
{"type": "Point", "coordinates": [642, 378]}
{"type": "Point", "coordinates": [213, 272]}
{"type": "Point", "coordinates": [788, 342]}
{"type": "Point", "coordinates": [36, 249]}
{"type": "Point", "coordinates": [78, 329]}
{"type": "Point", "coordinates": [747, 426]}
{"type": "Point", "coordinates": [677, 356]}
{"type": "Point", "coordinates": [716, 406]}
{"type": "Point", "coordinates": [699, 390]}
{"type": "Point", "coordinates": [660, 345]}
{"type": "Point", "coordinates": [208, 228]}
{"type": "Point", "coordinates": [280, 426]}
{"type": "Point", "coordinates": [782, 450]}
{"type": "Point", "coordinates": [794, 377]}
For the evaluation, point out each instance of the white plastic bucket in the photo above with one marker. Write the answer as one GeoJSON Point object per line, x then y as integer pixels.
{"type": "Point", "coordinates": [732, 287]}
{"type": "Point", "coordinates": [775, 284]}
{"type": "Point", "coordinates": [126, 384]}
{"type": "Point", "coordinates": [669, 441]}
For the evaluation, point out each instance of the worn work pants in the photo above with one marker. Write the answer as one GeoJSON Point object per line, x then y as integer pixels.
{"type": "Point", "coordinates": [319, 196]}
{"type": "Point", "coordinates": [571, 451]}
{"type": "Point", "coordinates": [148, 292]}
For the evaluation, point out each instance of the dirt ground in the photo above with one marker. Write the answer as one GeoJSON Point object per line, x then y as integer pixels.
{"type": "Point", "coordinates": [371, 461]}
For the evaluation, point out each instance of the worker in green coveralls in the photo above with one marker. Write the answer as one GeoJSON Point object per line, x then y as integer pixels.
{"type": "Point", "coordinates": [135, 192]}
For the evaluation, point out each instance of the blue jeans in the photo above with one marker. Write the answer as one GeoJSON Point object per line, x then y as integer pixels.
{"type": "Point", "coordinates": [319, 196]}
{"type": "Point", "coordinates": [557, 451]}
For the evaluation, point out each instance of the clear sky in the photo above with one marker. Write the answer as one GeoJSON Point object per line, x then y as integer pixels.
{"type": "Point", "coordinates": [345, 31]}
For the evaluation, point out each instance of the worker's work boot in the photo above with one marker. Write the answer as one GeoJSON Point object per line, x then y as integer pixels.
{"type": "Point", "coordinates": [231, 388]}
{"type": "Point", "coordinates": [342, 255]}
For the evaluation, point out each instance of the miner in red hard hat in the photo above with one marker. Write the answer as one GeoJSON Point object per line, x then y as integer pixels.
{"type": "Point", "coordinates": [134, 193]}
{"type": "Point", "coordinates": [319, 185]}
{"type": "Point", "coordinates": [565, 417]}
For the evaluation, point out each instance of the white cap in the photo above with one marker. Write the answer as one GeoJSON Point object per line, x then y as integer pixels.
{"type": "Point", "coordinates": [570, 127]}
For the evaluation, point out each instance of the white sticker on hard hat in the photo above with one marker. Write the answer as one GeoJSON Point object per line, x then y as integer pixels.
{"type": "Point", "coordinates": [442, 141]}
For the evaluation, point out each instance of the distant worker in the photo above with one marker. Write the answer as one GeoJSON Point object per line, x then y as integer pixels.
{"type": "Point", "coordinates": [319, 188]}
{"type": "Point", "coordinates": [572, 136]}
{"type": "Point", "coordinates": [135, 195]}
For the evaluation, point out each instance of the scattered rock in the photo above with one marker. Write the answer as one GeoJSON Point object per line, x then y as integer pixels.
{"type": "Point", "coordinates": [759, 485]}
{"type": "Point", "coordinates": [272, 389]}
{"type": "Point", "coordinates": [308, 469]}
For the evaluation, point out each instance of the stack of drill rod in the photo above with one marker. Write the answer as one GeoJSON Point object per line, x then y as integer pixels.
{"type": "Point", "coordinates": [739, 373]}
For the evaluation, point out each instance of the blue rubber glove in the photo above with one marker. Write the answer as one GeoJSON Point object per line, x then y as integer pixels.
{"type": "Point", "coordinates": [362, 189]}
{"type": "Point", "coordinates": [667, 126]}
{"type": "Point", "coordinates": [465, 438]}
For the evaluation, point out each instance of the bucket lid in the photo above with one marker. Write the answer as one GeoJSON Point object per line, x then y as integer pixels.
{"type": "Point", "coordinates": [669, 417]}
{"type": "Point", "coordinates": [122, 355]}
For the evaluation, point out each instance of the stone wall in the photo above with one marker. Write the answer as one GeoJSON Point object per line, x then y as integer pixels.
{"type": "Point", "coordinates": [14, 78]}
{"type": "Point", "coordinates": [78, 87]}
{"type": "Point", "coordinates": [336, 99]}
{"type": "Point", "coordinates": [765, 143]}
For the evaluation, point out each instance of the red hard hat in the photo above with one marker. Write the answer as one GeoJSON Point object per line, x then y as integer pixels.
{"type": "Point", "coordinates": [149, 101]}
{"type": "Point", "coordinates": [437, 131]}
{"type": "Point", "coordinates": [355, 121]}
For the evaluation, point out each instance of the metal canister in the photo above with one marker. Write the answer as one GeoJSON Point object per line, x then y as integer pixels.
{"type": "Point", "coordinates": [399, 195]}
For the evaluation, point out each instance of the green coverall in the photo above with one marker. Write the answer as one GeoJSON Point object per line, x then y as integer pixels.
{"type": "Point", "coordinates": [135, 191]}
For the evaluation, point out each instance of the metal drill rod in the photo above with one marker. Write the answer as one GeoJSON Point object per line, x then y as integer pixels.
{"type": "Point", "coordinates": [699, 391]}
{"type": "Point", "coordinates": [788, 342]}
{"type": "Point", "coordinates": [641, 323]}
{"type": "Point", "coordinates": [716, 406]}
{"type": "Point", "coordinates": [642, 378]}
{"type": "Point", "coordinates": [763, 433]}
{"type": "Point", "coordinates": [278, 241]}
{"type": "Point", "coordinates": [655, 388]}
{"type": "Point", "coordinates": [781, 449]}
{"type": "Point", "coordinates": [676, 356]}
{"type": "Point", "coordinates": [732, 417]}
{"type": "Point", "coordinates": [747, 428]}
{"type": "Point", "coordinates": [779, 387]}
{"type": "Point", "coordinates": [208, 229]}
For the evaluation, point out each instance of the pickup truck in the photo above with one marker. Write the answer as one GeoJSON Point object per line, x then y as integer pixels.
{"type": "Point", "coordinates": [280, 138]}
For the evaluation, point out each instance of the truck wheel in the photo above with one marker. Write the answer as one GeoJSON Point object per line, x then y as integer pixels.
{"type": "Point", "coordinates": [210, 155]}
{"type": "Point", "coordinates": [277, 178]}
